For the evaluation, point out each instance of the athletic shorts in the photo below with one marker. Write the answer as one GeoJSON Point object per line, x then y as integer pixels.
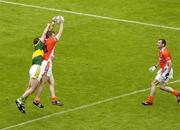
{"type": "Point", "coordinates": [34, 72]}
{"type": "Point", "coordinates": [46, 68]}
{"type": "Point", "coordinates": [161, 75]}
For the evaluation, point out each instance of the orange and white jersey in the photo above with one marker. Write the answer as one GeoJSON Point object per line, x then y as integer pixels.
{"type": "Point", "coordinates": [164, 57]}
{"type": "Point", "coordinates": [50, 44]}
{"type": "Point", "coordinates": [49, 47]}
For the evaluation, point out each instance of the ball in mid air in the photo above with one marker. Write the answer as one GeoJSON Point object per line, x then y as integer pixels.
{"type": "Point", "coordinates": [58, 19]}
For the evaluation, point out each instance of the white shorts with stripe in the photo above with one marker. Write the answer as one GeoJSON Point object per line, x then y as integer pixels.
{"type": "Point", "coordinates": [34, 72]}
{"type": "Point", "coordinates": [46, 68]}
{"type": "Point", "coordinates": [161, 75]}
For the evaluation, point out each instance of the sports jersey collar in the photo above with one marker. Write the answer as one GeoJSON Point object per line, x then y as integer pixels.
{"type": "Point", "coordinates": [163, 49]}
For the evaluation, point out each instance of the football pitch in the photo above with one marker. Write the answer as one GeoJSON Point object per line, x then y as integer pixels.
{"type": "Point", "coordinates": [100, 67]}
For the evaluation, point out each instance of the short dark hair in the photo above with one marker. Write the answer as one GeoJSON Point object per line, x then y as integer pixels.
{"type": "Point", "coordinates": [163, 41]}
{"type": "Point", "coordinates": [36, 40]}
{"type": "Point", "coordinates": [49, 33]}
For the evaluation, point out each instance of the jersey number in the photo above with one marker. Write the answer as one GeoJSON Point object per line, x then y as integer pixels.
{"type": "Point", "coordinates": [45, 48]}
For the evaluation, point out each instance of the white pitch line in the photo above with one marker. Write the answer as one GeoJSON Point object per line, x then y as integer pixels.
{"type": "Point", "coordinates": [91, 15]}
{"type": "Point", "coordinates": [81, 107]}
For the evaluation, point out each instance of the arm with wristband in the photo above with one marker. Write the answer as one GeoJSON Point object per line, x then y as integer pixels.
{"type": "Point", "coordinates": [153, 68]}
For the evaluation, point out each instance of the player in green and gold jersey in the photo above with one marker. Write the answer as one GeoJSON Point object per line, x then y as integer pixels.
{"type": "Point", "coordinates": [34, 71]}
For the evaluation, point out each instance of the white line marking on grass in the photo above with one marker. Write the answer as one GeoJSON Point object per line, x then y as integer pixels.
{"type": "Point", "coordinates": [81, 107]}
{"type": "Point", "coordinates": [91, 15]}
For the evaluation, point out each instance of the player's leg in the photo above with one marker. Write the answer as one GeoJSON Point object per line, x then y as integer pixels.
{"type": "Point", "coordinates": [39, 90]}
{"type": "Point", "coordinates": [54, 99]}
{"type": "Point", "coordinates": [167, 88]}
{"type": "Point", "coordinates": [31, 88]}
{"type": "Point", "coordinates": [52, 85]}
{"type": "Point", "coordinates": [150, 98]}
{"type": "Point", "coordinates": [41, 86]}
{"type": "Point", "coordinates": [37, 100]}
{"type": "Point", "coordinates": [21, 100]}
{"type": "Point", "coordinates": [33, 83]}
{"type": "Point", "coordinates": [170, 90]}
{"type": "Point", "coordinates": [158, 79]}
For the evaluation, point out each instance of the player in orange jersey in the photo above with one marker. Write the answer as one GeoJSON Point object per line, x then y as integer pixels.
{"type": "Point", "coordinates": [163, 75]}
{"type": "Point", "coordinates": [46, 66]}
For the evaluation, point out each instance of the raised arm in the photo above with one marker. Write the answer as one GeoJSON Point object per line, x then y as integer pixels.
{"type": "Point", "coordinates": [61, 25]}
{"type": "Point", "coordinates": [51, 26]}
{"type": "Point", "coordinates": [43, 36]}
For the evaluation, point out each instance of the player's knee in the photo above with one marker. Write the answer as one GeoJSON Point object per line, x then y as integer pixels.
{"type": "Point", "coordinates": [162, 87]}
{"type": "Point", "coordinates": [153, 83]}
{"type": "Point", "coordinates": [32, 89]}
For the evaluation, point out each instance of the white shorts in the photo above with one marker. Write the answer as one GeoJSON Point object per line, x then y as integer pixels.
{"type": "Point", "coordinates": [161, 75]}
{"type": "Point", "coordinates": [34, 72]}
{"type": "Point", "coordinates": [46, 68]}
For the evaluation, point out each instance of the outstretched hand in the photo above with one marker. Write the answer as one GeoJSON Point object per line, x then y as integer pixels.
{"type": "Point", "coordinates": [152, 68]}
{"type": "Point", "coordinates": [61, 18]}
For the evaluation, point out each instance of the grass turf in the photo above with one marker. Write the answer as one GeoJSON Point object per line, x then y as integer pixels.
{"type": "Point", "coordinates": [95, 59]}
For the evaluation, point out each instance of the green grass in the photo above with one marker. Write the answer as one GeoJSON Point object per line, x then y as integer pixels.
{"type": "Point", "coordinates": [96, 59]}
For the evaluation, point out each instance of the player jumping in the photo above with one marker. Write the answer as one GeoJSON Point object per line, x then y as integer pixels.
{"type": "Point", "coordinates": [46, 67]}
{"type": "Point", "coordinates": [163, 75]}
{"type": "Point", "coordinates": [34, 71]}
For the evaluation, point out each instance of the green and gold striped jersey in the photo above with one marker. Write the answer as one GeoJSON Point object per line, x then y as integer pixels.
{"type": "Point", "coordinates": [38, 53]}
